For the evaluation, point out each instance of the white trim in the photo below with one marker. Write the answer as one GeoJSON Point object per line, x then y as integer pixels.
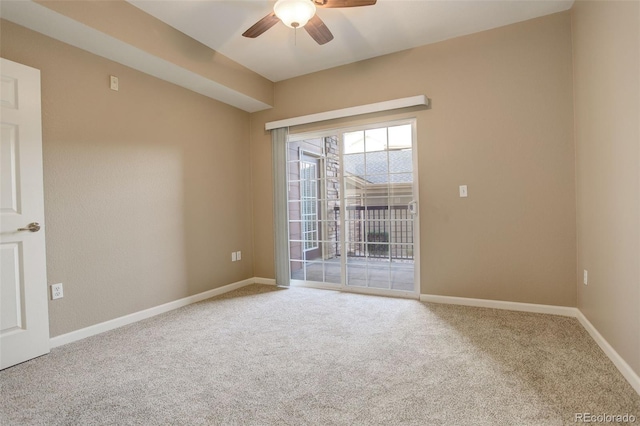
{"type": "Point", "coordinates": [624, 368]}
{"type": "Point", "coordinates": [415, 169]}
{"type": "Point", "coordinates": [316, 284]}
{"type": "Point", "coordinates": [265, 281]}
{"type": "Point", "coordinates": [420, 100]}
{"type": "Point", "coordinates": [365, 291]}
{"type": "Point", "coordinates": [92, 330]}
{"type": "Point", "coordinates": [370, 291]}
{"type": "Point", "coordinates": [499, 304]}
{"type": "Point", "coordinates": [315, 134]}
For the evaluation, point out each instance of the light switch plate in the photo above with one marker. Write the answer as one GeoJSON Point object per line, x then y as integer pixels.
{"type": "Point", "coordinates": [463, 191]}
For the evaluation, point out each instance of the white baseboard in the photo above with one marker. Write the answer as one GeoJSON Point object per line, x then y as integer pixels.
{"type": "Point", "coordinates": [92, 330]}
{"type": "Point", "coordinates": [624, 368]}
{"type": "Point", "coordinates": [265, 281]}
{"type": "Point", "coordinates": [565, 311]}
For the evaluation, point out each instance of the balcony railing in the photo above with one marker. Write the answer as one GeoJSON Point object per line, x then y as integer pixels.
{"type": "Point", "coordinates": [382, 232]}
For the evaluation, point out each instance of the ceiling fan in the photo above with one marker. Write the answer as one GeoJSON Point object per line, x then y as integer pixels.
{"type": "Point", "coordinates": [302, 13]}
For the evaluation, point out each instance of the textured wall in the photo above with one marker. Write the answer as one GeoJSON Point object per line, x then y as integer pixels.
{"type": "Point", "coordinates": [501, 122]}
{"type": "Point", "coordinates": [606, 40]}
{"type": "Point", "coordinates": [125, 22]}
{"type": "Point", "coordinates": [147, 190]}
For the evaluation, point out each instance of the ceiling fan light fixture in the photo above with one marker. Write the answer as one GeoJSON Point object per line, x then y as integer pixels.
{"type": "Point", "coordinates": [294, 13]}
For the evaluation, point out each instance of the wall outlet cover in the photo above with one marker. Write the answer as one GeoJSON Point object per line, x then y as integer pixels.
{"type": "Point", "coordinates": [56, 291]}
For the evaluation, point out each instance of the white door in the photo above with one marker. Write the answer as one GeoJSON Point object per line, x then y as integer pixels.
{"type": "Point", "coordinates": [24, 318]}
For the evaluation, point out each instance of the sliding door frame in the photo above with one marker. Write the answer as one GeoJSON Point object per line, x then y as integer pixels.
{"type": "Point", "coordinates": [339, 132]}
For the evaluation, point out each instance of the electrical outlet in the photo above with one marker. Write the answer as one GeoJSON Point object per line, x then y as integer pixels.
{"type": "Point", "coordinates": [239, 255]}
{"type": "Point", "coordinates": [113, 83]}
{"type": "Point", "coordinates": [585, 277]}
{"type": "Point", "coordinates": [56, 291]}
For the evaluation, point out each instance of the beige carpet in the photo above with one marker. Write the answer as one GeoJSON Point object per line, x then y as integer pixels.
{"type": "Point", "coordinates": [267, 356]}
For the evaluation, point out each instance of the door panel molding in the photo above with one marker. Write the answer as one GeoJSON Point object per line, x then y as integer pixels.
{"type": "Point", "coordinates": [24, 322]}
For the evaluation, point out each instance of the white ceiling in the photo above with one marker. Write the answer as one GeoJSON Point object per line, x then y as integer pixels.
{"type": "Point", "coordinates": [360, 33]}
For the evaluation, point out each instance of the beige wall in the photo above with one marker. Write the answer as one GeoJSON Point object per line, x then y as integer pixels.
{"type": "Point", "coordinates": [606, 40]}
{"type": "Point", "coordinates": [501, 122]}
{"type": "Point", "coordinates": [127, 23]}
{"type": "Point", "coordinates": [147, 190]}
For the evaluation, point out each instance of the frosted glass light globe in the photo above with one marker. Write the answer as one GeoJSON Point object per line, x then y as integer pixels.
{"type": "Point", "coordinates": [294, 13]}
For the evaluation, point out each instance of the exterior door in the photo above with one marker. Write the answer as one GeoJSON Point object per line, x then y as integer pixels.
{"type": "Point", "coordinates": [379, 208]}
{"type": "Point", "coordinates": [352, 209]}
{"type": "Point", "coordinates": [312, 231]}
{"type": "Point", "coordinates": [24, 317]}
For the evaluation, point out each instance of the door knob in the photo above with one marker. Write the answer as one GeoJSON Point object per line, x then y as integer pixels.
{"type": "Point", "coordinates": [32, 227]}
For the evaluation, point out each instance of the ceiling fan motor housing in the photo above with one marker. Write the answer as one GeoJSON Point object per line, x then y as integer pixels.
{"type": "Point", "coordinates": [294, 13]}
{"type": "Point", "coordinates": [302, 13]}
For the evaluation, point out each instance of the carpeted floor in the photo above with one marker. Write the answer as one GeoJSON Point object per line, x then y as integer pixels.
{"type": "Point", "coordinates": [268, 356]}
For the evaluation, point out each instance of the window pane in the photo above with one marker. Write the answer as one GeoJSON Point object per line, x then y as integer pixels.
{"type": "Point", "coordinates": [357, 275]}
{"type": "Point", "coordinates": [309, 204]}
{"type": "Point", "coordinates": [377, 165]}
{"type": "Point", "coordinates": [375, 201]}
{"type": "Point", "coordinates": [353, 142]}
{"type": "Point", "coordinates": [400, 136]}
{"type": "Point", "coordinates": [295, 250]}
{"type": "Point", "coordinates": [378, 277]}
{"type": "Point", "coordinates": [297, 270]}
{"type": "Point", "coordinates": [400, 161]}
{"type": "Point", "coordinates": [401, 178]}
{"type": "Point", "coordinates": [376, 139]}
{"type": "Point", "coordinates": [314, 271]}
{"type": "Point", "coordinates": [354, 165]}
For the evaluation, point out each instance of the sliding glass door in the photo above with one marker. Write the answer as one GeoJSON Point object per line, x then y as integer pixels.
{"type": "Point", "coordinates": [352, 209]}
{"type": "Point", "coordinates": [313, 203]}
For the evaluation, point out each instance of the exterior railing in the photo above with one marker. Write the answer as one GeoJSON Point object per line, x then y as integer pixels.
{"type": "Point", "coordinates": [382, 232]}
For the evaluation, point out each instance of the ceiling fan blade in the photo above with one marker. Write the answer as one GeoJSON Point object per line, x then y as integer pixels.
{"type": "Point", "coordinates": [261, 26]}
{"type": "Point", "coordinates": [318, 30]}
{"type": "Point", "coordinates": [344, 3]}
